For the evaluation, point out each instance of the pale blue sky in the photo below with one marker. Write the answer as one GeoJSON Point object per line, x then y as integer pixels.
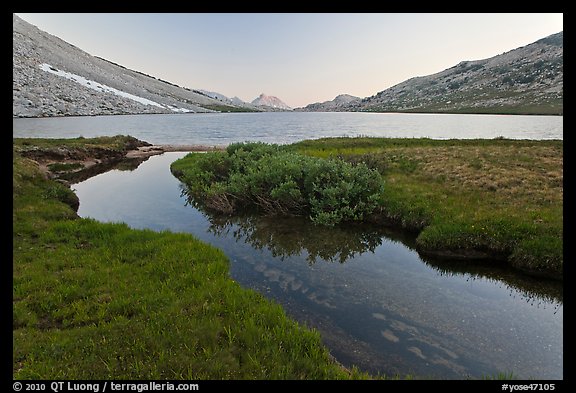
{"type": "Point", "coordinates": [300, 58]}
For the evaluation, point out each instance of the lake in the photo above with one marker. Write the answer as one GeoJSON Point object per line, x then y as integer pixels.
{"type": "Point", "coordinates": [288, 127]}
{"type": "Point", "coordinates": [377, 303]}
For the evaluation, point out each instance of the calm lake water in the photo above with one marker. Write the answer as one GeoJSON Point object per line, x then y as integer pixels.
{"type": "Point", "coordinates": [376, 302]}
{"type": "Point", "coordinates": [287, 127]}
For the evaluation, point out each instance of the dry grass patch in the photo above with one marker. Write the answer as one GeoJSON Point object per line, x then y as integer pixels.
{"type": "Point", "coordinates": [532, 174]}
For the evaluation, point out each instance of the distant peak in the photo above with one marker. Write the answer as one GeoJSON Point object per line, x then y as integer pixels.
{"type": "Point", "coordinates": [270, 101]}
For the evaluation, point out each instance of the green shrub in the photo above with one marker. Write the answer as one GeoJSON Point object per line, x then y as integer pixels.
{"type": "Point", "coordinates": [271, 179]}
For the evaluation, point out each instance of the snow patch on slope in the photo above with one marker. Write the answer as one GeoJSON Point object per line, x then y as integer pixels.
{"type": "Point", "coordinates": [107, 89]}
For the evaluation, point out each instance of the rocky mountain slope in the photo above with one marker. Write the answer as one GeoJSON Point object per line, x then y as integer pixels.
{"type": "Point", "coordinates": [232, 102]}
{"type": "Point", "coordinates": [336, 105]}
{"type": "Point", "coordinates": [270, 102]}
{"type": "Point", "coordinates": [54, 78]}
{"type": "Point", "coordinates": [526, 80]}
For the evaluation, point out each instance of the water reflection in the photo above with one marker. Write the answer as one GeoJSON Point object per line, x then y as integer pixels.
{"type": "Point", "coordinates": [535, 291]}
{"type": "Point", "coordinates": [286, 237]}
{"type": "Point", "coordinates": [125, 164]}
{"type": "Point", "coordinates": [293, 236]}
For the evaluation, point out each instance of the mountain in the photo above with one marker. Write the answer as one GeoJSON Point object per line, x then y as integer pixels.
{"type": "Point", "coordinates": [234, 101]}
{"type": "Point", "coordinates": [54, 78]}
{"type": "Point", "coordinates": [270, 102]}
{"type": "Point", "coordinates": [526, 80]}
{"type": "Point", "coordinates": [335, 105]}
{"type": "Point", "coordinates": [238, 101]}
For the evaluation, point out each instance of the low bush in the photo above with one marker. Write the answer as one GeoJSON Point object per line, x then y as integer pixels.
{"type": "Point", "coordinates": [273, 180]}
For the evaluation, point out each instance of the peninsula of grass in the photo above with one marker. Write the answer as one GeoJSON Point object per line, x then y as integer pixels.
{"type": "Point", "coordinates": [499, 200]}
{"type": "Point", "coordinates": [99, 147]}
{"type": "Point", "coordinates": [102, 301]}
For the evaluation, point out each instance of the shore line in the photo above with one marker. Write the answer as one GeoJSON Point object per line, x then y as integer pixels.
{"type": "Point", "coordinates": [146, 151]}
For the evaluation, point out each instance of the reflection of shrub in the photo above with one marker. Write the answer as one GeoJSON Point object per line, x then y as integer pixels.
{"type": "Point", "coordinates": [65, 167]}
{"type": "Point", "coordinates": [292, 236]}
{"type": "Point", "coordinates": [275, 181]}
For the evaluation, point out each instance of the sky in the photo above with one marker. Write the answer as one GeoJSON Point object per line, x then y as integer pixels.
{"type": "Point", "coordinates": [300, 58]}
